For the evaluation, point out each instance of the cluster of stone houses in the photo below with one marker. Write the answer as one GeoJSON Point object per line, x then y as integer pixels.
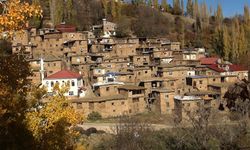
{"type": "Point", "coordinates": [125, 76]}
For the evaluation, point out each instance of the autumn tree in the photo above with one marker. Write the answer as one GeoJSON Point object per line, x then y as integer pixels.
{"type": "Point", "coordinates": [164, 5]}
{"type": "Point", "coordinates": [189, 8]}
{"type": "Point", "coordinates": [50, 122]}
{"type": "Point", "coordinates": [105, 6]}
{"type": "Point", "coordinates": [176, 7]}
{"type": "Point", "coordinates": [70, 13]}
{"type": "Point", "coordinates": [156, 4]}
{"type": "Point", "coordinates": [226, 44]}
{"type": "Point", "coordinates": [15, 16]}
{"type": "Point", "coordinates": [219, 16]}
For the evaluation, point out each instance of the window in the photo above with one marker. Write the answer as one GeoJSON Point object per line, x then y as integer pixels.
{"type": "Point", "coordinates": [146, 72]}
{"type": "Point", "coordinates": [213, 79]}
{"type": "Point", "coordinates": [72, 83]}
{"type": "Point", "coordinates": [200, 81]}
{"type": "Point", "coordinates": [139, 73]}
{"type": "Point", "coordinates": [107, 88]}
{"type": "Point", "coordinates": [47, 83]}
{"type": "Point", "coordinates": [138, 59]}
{"type": "Point", "coordinates": [48, 64]}
{"type": "Point", "coordinates": [167, 103]}
{"type": "Point", "coordinates": [79, 105]}
{"type": "Point", "coordinates": [113, 104]}
{"type": "Point", "coordinates": [52, 84]}
{"type": "Point", "coordinates": [122, 103]}
{"type": "Point", "coordinates": [71, 92]}
{"type": "Point", "coordinates": [170, 73]}
{"type": "Point", "coordinates": [135, 100]}
{"type": "Point", "coordinates": [144, 59]}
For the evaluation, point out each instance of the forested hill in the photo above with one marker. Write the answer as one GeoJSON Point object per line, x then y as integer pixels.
{"type": "Point", "coordinates": [194, 26]}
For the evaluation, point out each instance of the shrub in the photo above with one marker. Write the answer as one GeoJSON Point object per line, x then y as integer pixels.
{"type": "Point", "coordinates": [94, 116]}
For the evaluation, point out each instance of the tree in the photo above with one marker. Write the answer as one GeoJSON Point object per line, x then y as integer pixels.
{"type": "Point", "coordinates": [50, 122]}
{"type": "Point", "coordinates": [105, 6]}
{"type": "Point", "coordinates": [190, 8]}
{"type": "Point", "coordinates": [195, 9]}
{"type": "Point", "coordinates": [113, 9]}
{"type": "Point", "coordinates": [176, 7]}
{"type": "Point", "coordinates": [226, 44]}
{"type": "Point", "coordinates": [14, 71]}
{"type": "Point", "coordinates": [149, 3]}
{"type": "Point", "coordinates": [182, 7]}
{"type": "Point", "coordinates": [59, 12]}
{"type": "Point", "coordinates": [70, 12]}
{"type": "Point", "coordinates": [156, 4]}
{"type": "Point", "coordinates": [164, 5]}
{"type": "Point", "coordinates": [15, 16]}
{"type": "Point", "coordinates": [219, 15]}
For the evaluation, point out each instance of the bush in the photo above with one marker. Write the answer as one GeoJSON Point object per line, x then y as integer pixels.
{"type": "Point", "coordinates": [94, 116]}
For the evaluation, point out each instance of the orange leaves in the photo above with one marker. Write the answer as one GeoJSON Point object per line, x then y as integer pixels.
{"type": "Point", "coordinates": [16, 15]}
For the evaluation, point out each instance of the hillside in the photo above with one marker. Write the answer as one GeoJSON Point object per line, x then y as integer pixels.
{"type": "Point", "coordinates": [195, 27]}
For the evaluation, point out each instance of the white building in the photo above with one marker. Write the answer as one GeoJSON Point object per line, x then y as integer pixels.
{"type": "Point", "coordinates": [62, 78]}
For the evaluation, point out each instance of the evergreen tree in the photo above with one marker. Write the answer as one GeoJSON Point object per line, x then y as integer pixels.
{"type": "Point", "coordinates": [190, 8]}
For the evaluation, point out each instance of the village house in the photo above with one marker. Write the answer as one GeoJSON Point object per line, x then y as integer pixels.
{"type": "Point", "coordinates": [187, 106]}
{"type": "Point", "coordinates": [65, 78]}
{"type": "Point", "coordinates": [125, 76]}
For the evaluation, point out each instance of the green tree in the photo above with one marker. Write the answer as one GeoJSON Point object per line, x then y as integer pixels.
{"type": "Point", "coordinates": [149, 3]}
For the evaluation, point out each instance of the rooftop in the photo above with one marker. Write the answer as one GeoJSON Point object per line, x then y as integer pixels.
{"type": "Point", "coordinates": [64, 74]}
{"type": "Point", "coordinates": [131, 87]}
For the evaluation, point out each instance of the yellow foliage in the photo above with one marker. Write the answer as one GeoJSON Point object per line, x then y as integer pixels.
{"type": "Point", "coordinates": [16, 14]}
{"type": "Point", "coordinates": [53, 118]}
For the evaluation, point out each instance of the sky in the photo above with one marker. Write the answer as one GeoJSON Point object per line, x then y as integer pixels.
{"type": "Point", "coordinates": [229, 7]}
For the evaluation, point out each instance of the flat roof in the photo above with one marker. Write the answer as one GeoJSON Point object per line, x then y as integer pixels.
{"type": "Point", "coordinates": [100, 98]}
{"type": "Point", "coordinates": [131, 87]}
{"type": "Point", "coordinates": [163, 90]}
{"type": "Point", "coordinates": [221, 84]}
{"type": "Point", "coordinates": [201, 93]}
